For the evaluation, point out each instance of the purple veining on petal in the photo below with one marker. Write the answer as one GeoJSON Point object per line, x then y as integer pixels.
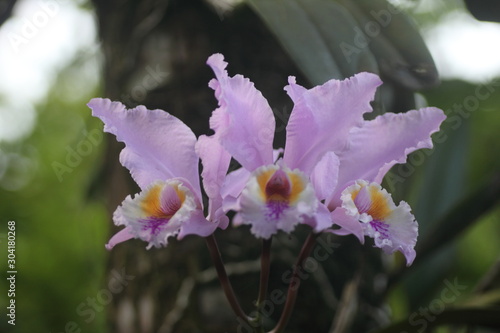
{"type": "Point", "coordinates": [363, 200]}
{"type": "Point", "coordinates": [275, 209]}
{"type": "Point", "coordinates": [380, 227]}
{"type": "Point", "coordinates": [154, 224]}
{"type": "Point", "coordinates": [170, 202]}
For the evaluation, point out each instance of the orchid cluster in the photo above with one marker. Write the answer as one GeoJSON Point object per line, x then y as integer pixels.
{"type": "Point", "coordinates": [327, 176]}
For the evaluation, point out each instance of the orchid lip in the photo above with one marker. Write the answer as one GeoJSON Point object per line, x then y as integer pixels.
{"type": "Point", "coordinates": [158, 212]}
{"type": "Point", "coordinates": [275, 209]}
{"type": "Point", "coordinates": [278, 187]}
{"type": "Point", "coordinates": [381, 227]}
{"type": "Point", "coordinates": [392, 227]}
{"type": "Point", "coordinates": [276, 198]}
{"type": "Point", "coordinates": [154, 224]}
{"type": "Point", "coordinates": [160, 205]}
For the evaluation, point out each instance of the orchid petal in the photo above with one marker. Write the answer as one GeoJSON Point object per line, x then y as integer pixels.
{"type": "Point", "coordinates": [198, 225]}
{"type": "Point", "coordinates": [244, 123]}
{"type": "Point", "coordinates": [388, 139]}
{"type": "Point", "coordinates": [121, 236]}
{"type": "Point", "coordinates": [349, 224]}
{"type": "Point", "coordinates": [322, 117]}
{"type": "Point", "coordinates": [158, 146]}
{"type": "Point", "coordinates": [233, 186]}
{"type": "Point", "coordinates": [215, 162]}
{"type": "Point", "coordinates": [325, 175]}
{"type": "Point", "coordinates": [404, 232]}
{"type": "Point", "coordinates": [321, 220]}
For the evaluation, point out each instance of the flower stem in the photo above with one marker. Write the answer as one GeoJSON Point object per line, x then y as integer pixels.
{"type": "Point", "coordinates": [224, 279]}
{"type": "Point", "coordinates": [294, 285]}
{"type": "Point", "coordinates": [265, 264]}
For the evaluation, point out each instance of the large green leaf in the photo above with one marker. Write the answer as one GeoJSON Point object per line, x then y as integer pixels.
{"type": "Point", "coordinates": [463, 215]}
{"type": "Point", "coordinates": [314, 32]}
{"type": "Point", "coordinates": [395, 41]}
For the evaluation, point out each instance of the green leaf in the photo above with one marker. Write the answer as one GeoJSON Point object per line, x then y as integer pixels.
{"type": "Point", "coordinates": [395, 41]}
{"type": "Point", "coordinates": [313, 33]}
{"type": "Point", "coordinates": [465, 213]}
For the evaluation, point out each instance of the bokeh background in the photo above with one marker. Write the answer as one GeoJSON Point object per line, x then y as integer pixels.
{"type": "Point", "coordinates": [60, 179]}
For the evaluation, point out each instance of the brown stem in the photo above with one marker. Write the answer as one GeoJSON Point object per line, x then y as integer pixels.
{"type": "Point", "coordinates": [265, 263]}
{"type": "Point", "coordinates": [294, 285]}
{"type": "Point", "coordinates": [224, 279]}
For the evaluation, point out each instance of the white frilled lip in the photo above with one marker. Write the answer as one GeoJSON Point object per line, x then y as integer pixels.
{"type": "Point", "coordinates": [164, 209]}
{"type": "Point", "coordinates": [368, 210]}
{"type": "Point", "coordinates": [276, 198]}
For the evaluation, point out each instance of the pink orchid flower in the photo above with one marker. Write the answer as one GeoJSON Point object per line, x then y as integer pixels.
{"type": "Point", "coordinates": [360, 153]}
{"type": "Point", "coordinates": [162, 154]}
{"type": "Point", "coordinates": [266, 194]}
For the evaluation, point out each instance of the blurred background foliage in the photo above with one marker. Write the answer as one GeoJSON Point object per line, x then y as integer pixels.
{"type": "Point", "coordinates": [61, 199]}
{"type": "Point", "coordinates": [60, 222]}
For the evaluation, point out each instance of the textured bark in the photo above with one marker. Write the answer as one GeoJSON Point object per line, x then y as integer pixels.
{"type": "Point", "coordinates": [175, 288]}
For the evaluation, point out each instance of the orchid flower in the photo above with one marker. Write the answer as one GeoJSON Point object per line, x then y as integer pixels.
{"type": "Point", "coordinates": [268, 193]}
{"type": "Point", "coordinates": [162, 154]}
{"type": "Point", "coordinates": [360, 154]}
